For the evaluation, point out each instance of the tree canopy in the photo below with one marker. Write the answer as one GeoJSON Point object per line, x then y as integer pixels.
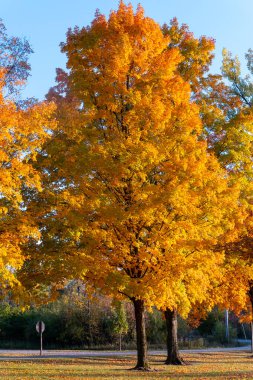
{"type": "Point", "coordinates": [133, 200]}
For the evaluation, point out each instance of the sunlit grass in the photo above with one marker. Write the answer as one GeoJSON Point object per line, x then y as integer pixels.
{"type": "Point", "coordinates": [233, 365]}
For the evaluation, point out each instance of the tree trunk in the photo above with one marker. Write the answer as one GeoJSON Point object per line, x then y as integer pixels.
{"type": "Point", "coordinates": [120, 341]}
{"type": "Point", "coordinates": [173, 356]}
{"type": "Point", "coordinates": [251, 324]}
{"type": "Point", "coordinates": [251, 335]}
{"type": "Point", "coordinates": [142, 360]}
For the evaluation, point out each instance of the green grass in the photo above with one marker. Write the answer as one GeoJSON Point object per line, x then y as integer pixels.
{"type": "Point", "coordinates": [233, 365]}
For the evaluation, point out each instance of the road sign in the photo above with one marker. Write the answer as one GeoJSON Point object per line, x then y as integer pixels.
{"type": "Point", "coordinates": [40, 328]}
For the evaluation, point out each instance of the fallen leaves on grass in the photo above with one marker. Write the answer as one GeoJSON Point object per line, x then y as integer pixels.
{"type": "Point", "coordinates": [219, 365]}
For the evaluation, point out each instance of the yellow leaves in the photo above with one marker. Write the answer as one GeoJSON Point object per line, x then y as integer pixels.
{"type": "Point", "coordinates": [22, 135]}
{"type": "Point", "coordinates": [231, 67]}
{"type": "Point", "coordinates": [138, 202]}
{"type": "Point", "coordinates": [135, 55]}
{"type": "Point", "coordinates": [76, 202]}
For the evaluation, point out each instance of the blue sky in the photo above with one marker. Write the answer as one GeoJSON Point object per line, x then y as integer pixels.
{"type": "Point", "coordinates": [44, 24]}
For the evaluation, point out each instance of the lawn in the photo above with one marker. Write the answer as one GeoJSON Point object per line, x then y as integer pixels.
{"type": "Point", "coordinates": [231, 365]}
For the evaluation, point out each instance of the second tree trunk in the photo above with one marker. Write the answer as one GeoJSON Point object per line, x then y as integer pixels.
{"type": "Point", "coordinates": [173, 356]}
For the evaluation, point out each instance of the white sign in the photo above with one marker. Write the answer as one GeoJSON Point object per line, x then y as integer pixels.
{"type": "Point", "coordinates": [40, 327]}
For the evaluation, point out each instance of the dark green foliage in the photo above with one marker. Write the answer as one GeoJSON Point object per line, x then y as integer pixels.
{"type": "Point", "coordinates": [119, 319]}
{"type": "Point", "coordinates": [73, 321]}
{"type": "Point", "coordinates": [214, 329]}
{"type": "Point", "coordinates": [156, 328]}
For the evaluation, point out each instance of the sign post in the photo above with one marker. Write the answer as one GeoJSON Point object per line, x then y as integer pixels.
{"type": "Point", "coordinates": [227, 326]}
{"type": "Point", "coordinates": [40, 328]}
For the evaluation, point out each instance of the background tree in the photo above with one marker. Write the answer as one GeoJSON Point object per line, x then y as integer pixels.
{"type": "Point", "coordinates": [120, 324]}
{"type": "Point", "coordinates": [241, 86]}
{"type": "Point", "coordinates": [22, 133]}
{"type": "Point", "coordinates": [230, 138]}
{"type": "Point", "coordinates": [235, 149]}
{"type": "Point", "coordinates": [14, 53]}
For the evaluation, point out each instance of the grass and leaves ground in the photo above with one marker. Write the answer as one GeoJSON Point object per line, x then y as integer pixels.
{"type": "Point", "coordinates": [209, 365]}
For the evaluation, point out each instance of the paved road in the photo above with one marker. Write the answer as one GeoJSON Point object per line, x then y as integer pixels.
{"type": "Point", "coordinates": [34, 354]}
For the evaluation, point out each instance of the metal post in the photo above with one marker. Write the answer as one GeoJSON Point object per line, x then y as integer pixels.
{"type": "Point", "coordinates": [227, 327]}
{"type": "Point", "coordinates": [41, 343]}
{"type": "Point", "coordinates": [244, 333]}
{"type": "Point", "coordinates": [40, 328]}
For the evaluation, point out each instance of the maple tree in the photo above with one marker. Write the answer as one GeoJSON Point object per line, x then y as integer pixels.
{"type": "Point", "coordinates": [197, 54]}
{"type": "Point", "coordinates": [235, 147]}
{"type": "Point", "coordinates": [197, 58]}
{"type": "Point", "coordinates": [135, 197]}
{"type": "Point", "coordinates": [230, 138]}
{"type": "Point", "coordinates": [216, 101]}
{"type": "Point", "coordinates": [22, 133]}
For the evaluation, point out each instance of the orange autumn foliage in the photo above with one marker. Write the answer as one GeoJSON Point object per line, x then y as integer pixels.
{"type": "Point", "coordinates": [234, 148]}
{"type": "Point", "coordinates": [22, 133]}
{"type": "Point", "coordinates": [137, 201]}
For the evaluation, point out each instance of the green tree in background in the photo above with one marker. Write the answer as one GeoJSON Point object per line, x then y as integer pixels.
{"type": "Point", "coordinates": [120, 324]}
